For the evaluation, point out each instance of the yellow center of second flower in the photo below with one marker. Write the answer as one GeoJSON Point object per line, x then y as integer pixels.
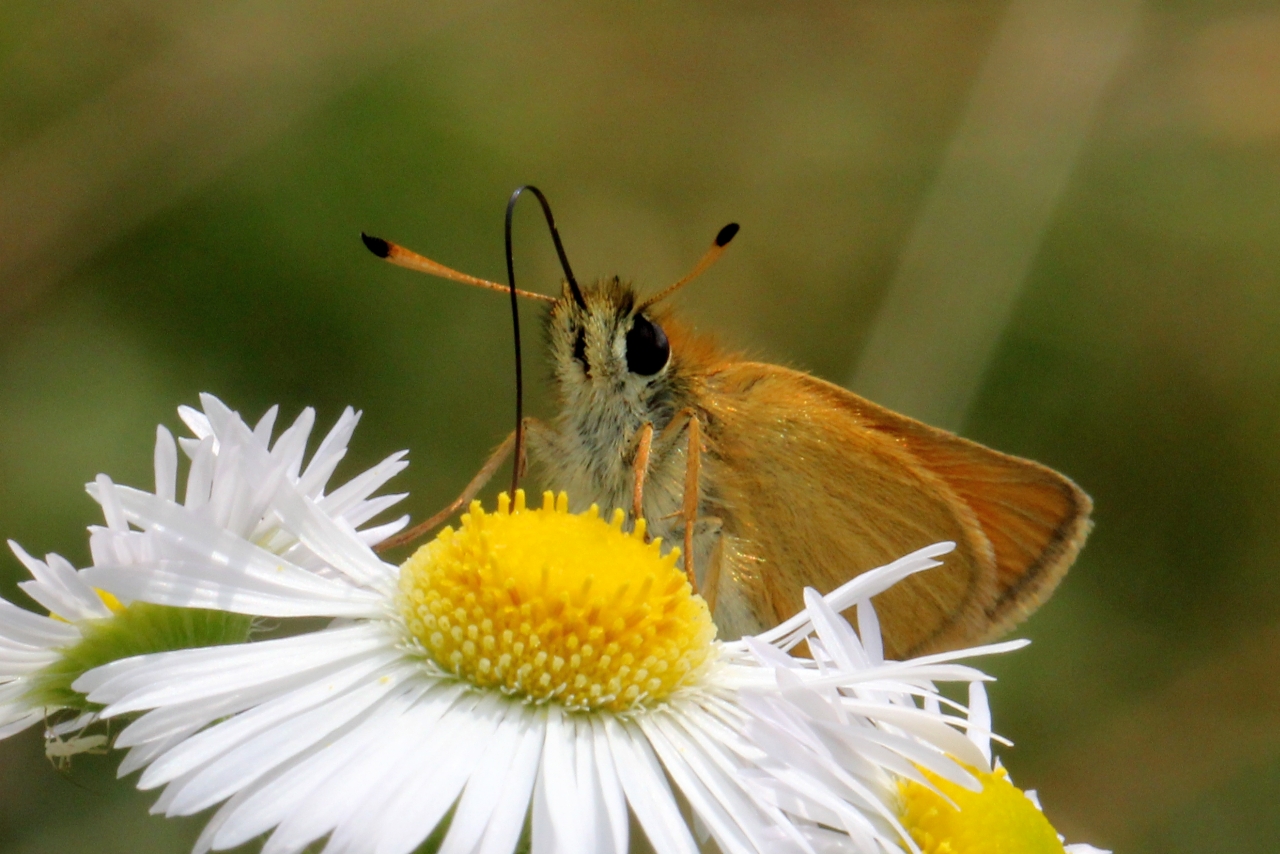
{"type": "Point", "coordinates": [549, 605]}
{"type": "Point", "coordinates": [1000, 819]}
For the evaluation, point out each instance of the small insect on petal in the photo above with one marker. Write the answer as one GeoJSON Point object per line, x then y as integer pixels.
{"type": "Point", "coordinates": [60, 750]}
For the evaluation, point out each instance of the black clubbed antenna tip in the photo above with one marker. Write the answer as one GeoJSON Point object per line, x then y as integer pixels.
{"type": "Point", "coordinates": [382, 248]}
{"type": "Point", "coordinates": [722, 239]}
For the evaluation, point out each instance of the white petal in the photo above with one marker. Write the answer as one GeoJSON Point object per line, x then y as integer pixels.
{"type": "Point", "coordinates": [907, 677]}
{"type": "Point", "coordinates": [869, 631]}
{"type": "Point", "coordinates": [353, 809]}
{"type": "Point", "coordinates": [613, 801]}
{"type": "Point", "coordinates": [485, 787]}
{"type": "Point", "coordinates": [598, 836]}
{"type": "Point", "coordinates": [711, 788]}
{"type": "Point", "coordinates": [373, 536]}
{"type": "Point", "coordinates": [200, 474]}
{"type": "Point", "coordinates": [863, 586]}
{"type": "Point", "coordinates": [262, 430]}
{"type": "Point", "coordinates": [453, 752]}
{"type": "Point", "coordinates": [331, 450]}
{"type": "Point", "coordinates": [366, 510]}
{"type": "Point", "coordinates": [565, 812]}
{"type": "Point", "coordinates": [732, 755]}
{"type": "Point", "coordinates": [239, 588]}
{"type": "Point", "coordinates": [245, 763]}
{"type": "Point", "coordinates": [58, 588]}
{"type": "Point", "coordinates": [712, 805]}
{"type": "Point", "coordinates": [199, 538]}
{"type": "Point", "coordinates": [196, 421]}
{"type": "Point", "coordinates": [58, 575]}
{"type": "Point", "coordinates": [923, 725]}
{"type": "Point", "coordinates": [164, 722]}
{"type": "Point", "coordinates": [820, 792]}
{"type": "Point", "coordinates": [837, 635]}
{"type": "Point", "coordinates": [213, 742]}
{"type": "Point", "coordinates": [812, 775]}
{"type": "Point", "coordinates": [21, 722]}
{"type": "Point", "coordinates": [363, 485]}
{"type": "Point", "coordinates": [228, 487]}
{"type": "Point", "coordinates": [110, 506]}
{"type": "Point", "coordinates": [338, 547]}
{"type": "Point", "coordinates": [11, 694]}
{"type": "Point", "coordinates": [204, 843]}
{"type": "Point", "coordinates": [647, 790]}
{"type": "Point", "coordinates": [253, 499]}
{"type": "Point", "coordinates": [219, 416]}
{"type": "Point", "coordinates": [900, 755]}
{"type": "Point", "coordinates": [980, 719]}
{"type": "Point", "coordinates": [19, 662]}
{"type": "Point", "coordinates": [292, 443]}
{"type": "Point", "coordinates": [91, 604]}
{"type": "Point", "coordinates": [320, 782]}
{"type": "Point", "coordinates": [186, 675]}
{"type": "Point", "coordinates": [141, 755]}
{"type": "Point", "coordinates": [971, 652]}
{"type": "Point", "coordinates": [542, 835]}
{"type": "Point", "coordinates": [34, 630]}
{"type": "Point", "coordinates": [434, 737]}
{"type": "Point", "coordinates": [166, 465]}
{"type": "Point", "coordinates": [507, 821]}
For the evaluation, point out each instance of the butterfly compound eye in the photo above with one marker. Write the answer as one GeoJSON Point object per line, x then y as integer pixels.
{"type": "Point", "coordinates": [647, 347]}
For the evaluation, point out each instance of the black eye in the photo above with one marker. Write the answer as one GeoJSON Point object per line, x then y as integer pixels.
{"type": "Point", "coordinates": [580, 350]}
{"type": "Point", "coordinates": [647, 347]}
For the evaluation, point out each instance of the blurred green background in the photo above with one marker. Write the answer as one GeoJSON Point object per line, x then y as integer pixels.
{"type": "Point", "coordinates": [1051, 224]}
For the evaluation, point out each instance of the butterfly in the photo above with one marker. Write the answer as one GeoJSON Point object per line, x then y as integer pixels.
{"type": "Point", "coordinates": [775, 480]}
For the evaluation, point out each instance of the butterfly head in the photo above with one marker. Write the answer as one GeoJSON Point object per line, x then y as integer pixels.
{"type": "Point", "coordinates": [611, 354]}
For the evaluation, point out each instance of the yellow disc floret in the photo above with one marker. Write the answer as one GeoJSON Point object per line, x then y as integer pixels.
{"type": "Point", "coordinates": [548, 605]}
{"type": "Point", "coordinates": [1000, 819]}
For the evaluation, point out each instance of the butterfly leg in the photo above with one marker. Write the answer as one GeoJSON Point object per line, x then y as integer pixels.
{"type": "Point", "coordinates": [640, 468]}
{"type": "Point", "coordinates": [687, 419]}
{"type": "Point", "coordinates": [711, 581]}
{"type": "Point", "coordinates": [692, 464]}
{"type": "Point", "coordinates": [490, 467]}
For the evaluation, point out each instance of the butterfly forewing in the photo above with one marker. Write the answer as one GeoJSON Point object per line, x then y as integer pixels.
{"type": "Point", "coordinates": [1035, 519]}
{"type": "Point", "coordinates": [814, 485]}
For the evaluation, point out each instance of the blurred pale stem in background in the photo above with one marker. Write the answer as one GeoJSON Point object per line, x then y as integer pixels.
{"type": "Point", "coordinates": [969, 252]}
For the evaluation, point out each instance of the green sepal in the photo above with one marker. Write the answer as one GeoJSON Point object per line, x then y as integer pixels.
{"type": "Point", "coordinates": [139, 629]}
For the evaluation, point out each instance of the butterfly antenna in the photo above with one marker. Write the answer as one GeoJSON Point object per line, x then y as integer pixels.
{"type": "Point", "coordinates": [407, 258]}
{"type": "Point", "coordinates": [723, 236]}
{"type": "Point", "coordinates": [515, 311]}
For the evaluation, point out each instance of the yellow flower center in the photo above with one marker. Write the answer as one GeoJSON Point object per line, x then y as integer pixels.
{"type": "Point", "coordinates": [1000, 819]}
{"type": "Point", "coordinates": [549, 605]}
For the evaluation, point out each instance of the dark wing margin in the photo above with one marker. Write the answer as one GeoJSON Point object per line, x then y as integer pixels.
{"type": "Point", "coordinates": [1035, 518]}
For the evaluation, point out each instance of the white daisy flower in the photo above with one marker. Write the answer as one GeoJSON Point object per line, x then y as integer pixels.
{"type": "Point", "coordinates": [856, 727]}
{"type": "Point", "coordinates": [233, 477]}
{"type": "Point", "coordinates": [533, 669]}
{"type": "Point", "coordinates": [231, 472]}
{"type": "Point", "coordinates": [995, 816]}
{"type": "Point", "coordinates": [32, 686]}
